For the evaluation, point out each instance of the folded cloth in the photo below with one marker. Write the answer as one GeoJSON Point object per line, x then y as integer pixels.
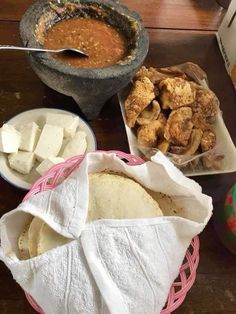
{"type": "Point", "coordinates": [112, 266]}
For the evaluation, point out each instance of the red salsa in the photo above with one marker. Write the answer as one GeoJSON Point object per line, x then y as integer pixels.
{"type": "Point", "coordinates": [104, 44]}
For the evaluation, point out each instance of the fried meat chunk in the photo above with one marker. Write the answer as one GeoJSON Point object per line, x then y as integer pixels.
{"type": "Point", "coordinates": [150, 73]}
{"type": "Point", "coordinates": [193, 144]}
{"type": "Point", "coordinates": [206, 102]}
{"type": "Point", "coordinates": [179, 126]}
{"type": "Point", "coordinates": [200, 122]}
{"type": "Point", "coordinates": [176, 92]}
{"type": "Point", "coordinates": [139, 98]}
{"type": "Point", "coordinates": [173, 72]}
{"type": "Point", "coordinates": [157, 75]}
{"type": "Point", "coordinates": [163, 146]}
{"type": "Point", "coordinates": [148, 135]}
{"type": "Point", "coordinates": [150, 113]}
{"type": "Point", "coordinates": [208, 140]}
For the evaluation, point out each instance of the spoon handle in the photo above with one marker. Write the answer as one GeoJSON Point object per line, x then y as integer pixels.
{"type": "Point", "coordinates": [71, 50]}
{"type": "Point", "coordinates": [9, 47]}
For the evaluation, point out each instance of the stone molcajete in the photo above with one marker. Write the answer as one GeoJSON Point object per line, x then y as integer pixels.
{"type": "Point", "coordinates": [90, 88]}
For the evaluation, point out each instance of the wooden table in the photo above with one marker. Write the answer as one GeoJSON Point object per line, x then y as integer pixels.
{"type": "Point", "coordinates": [180, 30]}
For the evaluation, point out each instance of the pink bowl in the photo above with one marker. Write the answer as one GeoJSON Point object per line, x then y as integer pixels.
{"type": "Point", "coordinates": [187, 274]}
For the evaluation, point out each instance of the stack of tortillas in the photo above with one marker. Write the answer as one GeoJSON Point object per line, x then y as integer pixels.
{"type": "Point", "coordinates": [111, 196]}
{"type": "Point", "coordinates": [37, 238]}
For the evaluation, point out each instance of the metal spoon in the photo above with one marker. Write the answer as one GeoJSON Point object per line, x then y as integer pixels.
{"type": "Point", "coordinates": [70, 50]}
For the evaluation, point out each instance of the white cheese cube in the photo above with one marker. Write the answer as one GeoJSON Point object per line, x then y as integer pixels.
{"type": "Point", "coordinates": [67, 122]}
{"type": "Point", "coordinates": [46, 164]}
{"type": "Point", "coordinates": [9, 139]}
{"type": "Point", "coordinates": [70, 130]}
{"type": "Point", "coordinates": [29, 136]}
{"type": "Point", "coordinates": [49, 143]}
{"type": "Point", "coordinates": [76, 146]}
{"type": "Point", "coordinates": [22, 162]}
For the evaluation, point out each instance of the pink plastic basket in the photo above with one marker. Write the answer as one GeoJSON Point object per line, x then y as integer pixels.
{"type": "Point", "coordinates": [187, 275]}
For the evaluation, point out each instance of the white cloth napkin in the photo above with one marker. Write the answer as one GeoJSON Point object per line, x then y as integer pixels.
{"type": "Point", "coordinates": [113, 266]}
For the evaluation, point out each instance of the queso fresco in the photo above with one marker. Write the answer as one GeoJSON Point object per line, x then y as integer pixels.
{"type": "Point", "coordinates": [104, 44]}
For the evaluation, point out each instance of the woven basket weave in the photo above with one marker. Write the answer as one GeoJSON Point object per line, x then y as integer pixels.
{"type": "Point", "coordinates": [187, 274]}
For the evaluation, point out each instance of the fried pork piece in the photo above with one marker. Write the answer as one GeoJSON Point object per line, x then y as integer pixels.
{"type": "Point", "coordinates": [157, 75]}
{"type": "Point", "coordinates": [193, 145]}
{"type": "Point", "coordinates": [150, 73]}
{"type": "Point", "coordinates": [150, 113]}
{"type": "Point", "coordinates": [162, 119]}
{"type": "Point", "coordinates": [206, 102]}
{"type": "Point", "coordinates": [176, 92]}
{"type": "Point", "coordinates": [140, 97]}
{"type": "Point", "coordinates": [163, 146]}
{"type": "Point", "coordinates": [208, 140]}
{"type": "Point", "coordinates": [147, 135]}
{"type": "Point", "coordinates": [200, 122]}
{"type": "Point", "coordinates": [179, 126]}
{"type": "Point", "coordinates": [172, 72]}
{"type": "Point", "coordinates": [193, 71]}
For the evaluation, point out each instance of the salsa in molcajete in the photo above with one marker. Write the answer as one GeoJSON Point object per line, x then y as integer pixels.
{"type": "Point", "coordinates": [104, 44]}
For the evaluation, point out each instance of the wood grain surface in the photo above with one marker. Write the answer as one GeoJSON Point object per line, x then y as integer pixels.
{"type": "Point", "coordinates": [178, 14]}
{"type": "Point", "coordinates": [20, 89]}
